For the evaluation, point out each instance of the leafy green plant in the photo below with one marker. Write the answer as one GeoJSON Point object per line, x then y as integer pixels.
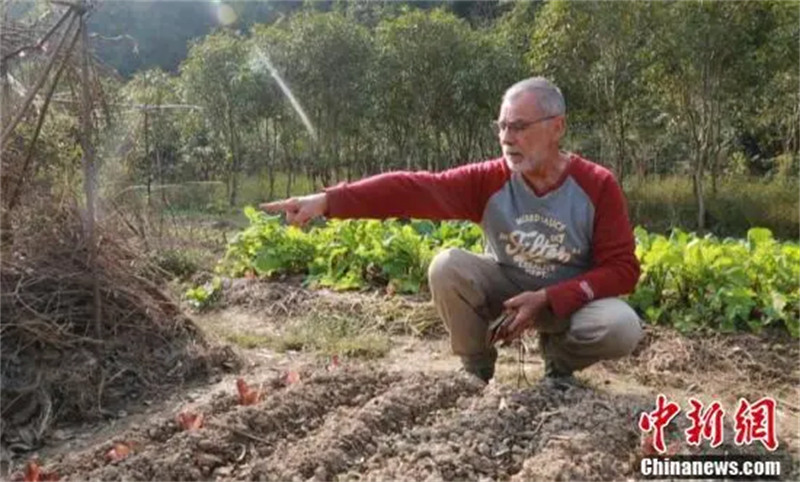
{"type": "Point", "coordinates": [347, 254]}
{"type": "Point", "coordinates": [266, 247]}
{"type": "Point", "coordinates": [729, 284]}
{"type": "Point", "coordinates": [205, 295]}
{"type": "Point", "coordinates": [687, 281]}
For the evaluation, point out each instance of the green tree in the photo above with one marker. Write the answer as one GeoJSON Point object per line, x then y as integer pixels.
{"type": "Point", "coordinates": [147, 93]}
{"type": "Point", "coordinates": [217, 76]}
{"type": "Point", "coordinates": [425, 66]}
{"type": "Point", "coordinates": [596, 52]}
{"type": "Point", "coordinates": [704, 69]}
{"type": "Point", "coordinates": [769, 112]}
{"type": "Point", "coordinates": [331, 56]}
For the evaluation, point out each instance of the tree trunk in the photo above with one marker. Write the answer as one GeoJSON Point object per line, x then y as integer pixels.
{"type": "Point", "coordinates": [6, 228]}
{"type": "Point", "coordinates": [271, 150]}
{"type": "Point", "coordinates": [714, 174]}
{"type": "Point", "coordinates": [290, 176]}
{"type": "Point", "coordinates": [353, 156]}
{"type": "Point", "coordinates": [5, 96]}
{"type": "Point", "coordinates": [147, 159]}
{"type": "Point", "coordinates": [234, 169]}
{"type": "Point", "coordinates": [312, 176]}
{"type": "Point", "coordinates": [717, 150]}
{"type": "Point", "coordinates": [697, 184]}
{"type": "Point", "coordinates": [621, 150]}
{"type": "Point", "coordinates": [6, 237]}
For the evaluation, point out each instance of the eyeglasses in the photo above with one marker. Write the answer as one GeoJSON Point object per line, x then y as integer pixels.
{"type": "Point", "coordinates": [517, 126]}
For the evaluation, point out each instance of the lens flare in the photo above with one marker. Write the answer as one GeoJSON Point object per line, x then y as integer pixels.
{"type": "Point", "coordinates": [225, 14]}
{"type": "Point", "coordinates": [258, 62]}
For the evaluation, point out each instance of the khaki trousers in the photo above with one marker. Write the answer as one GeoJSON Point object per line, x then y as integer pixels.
{"type": "Point", "coordinates": [469, 290]}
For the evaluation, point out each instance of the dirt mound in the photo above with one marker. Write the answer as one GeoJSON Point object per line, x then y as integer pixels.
{"type": "Point", "coordinates": [271, 299]}
{"type": "Point", "coordinates": [60, 362]}
{"type": "Point", "coordinates": [409, 315]}
{"type": "Point", "coordinates": [507, 432]}
{"type": "Point", "coordinates": [356, 423]}
{"type": "Point", "coordinates": [348, 435]}
{"type": "Point", "coordinates": [667, 357]}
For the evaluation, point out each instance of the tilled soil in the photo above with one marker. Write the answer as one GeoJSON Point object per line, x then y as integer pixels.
{"type": "Point", "coordinates": [414, 417]}
{"type": "Point", "coordinates": [358, 423]}
{"type": "Point", "coordinates": [503, 432]}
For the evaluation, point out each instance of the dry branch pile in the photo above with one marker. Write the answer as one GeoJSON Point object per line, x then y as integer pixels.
{"type": "Point", "coordinates": [57, 364]}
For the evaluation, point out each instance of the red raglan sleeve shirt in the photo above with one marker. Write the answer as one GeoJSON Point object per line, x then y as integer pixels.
{"type": "Point", "coordinates": [458, 193]}
{"type": "Point", "coordinates": [615, 269]}
{"type": "Point", "coordinates": [575, 240]}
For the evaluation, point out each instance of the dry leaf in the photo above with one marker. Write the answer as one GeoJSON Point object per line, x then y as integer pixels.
{"type": "Point", "coordinates": [334, 363]}
{"type": "Point", "coordinates": [120, 451]}
{"type": "Point", "coordinates": [190, 420]}
{"type": "Point", "coordinates": [247, 396]}
{"type": "Point", "coordinates": [32, 472]}
{"type": "Point", "coordinates": [291, 378]}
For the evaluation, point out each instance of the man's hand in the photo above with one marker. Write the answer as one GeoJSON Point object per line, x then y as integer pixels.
{"type": "Point", "coordinates": [299, 210]}
{"type": "Point", "coordinates": [527, 306]}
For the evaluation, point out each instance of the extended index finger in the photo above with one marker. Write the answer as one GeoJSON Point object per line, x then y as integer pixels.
{"type": "Point", "coordinates": [276, 206]}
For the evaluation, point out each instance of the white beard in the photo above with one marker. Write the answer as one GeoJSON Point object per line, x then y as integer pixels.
{"type": "Point", "coordinates": [526, 165]}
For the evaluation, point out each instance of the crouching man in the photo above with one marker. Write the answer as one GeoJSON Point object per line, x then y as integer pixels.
{"type": "Point", "coordinates": [559, 245]}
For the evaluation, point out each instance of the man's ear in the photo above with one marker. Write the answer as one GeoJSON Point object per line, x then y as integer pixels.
{"type": "Point", "coordinates": [561, 126]}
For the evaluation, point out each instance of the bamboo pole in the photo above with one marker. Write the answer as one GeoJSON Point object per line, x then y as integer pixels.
{"type": "Point", "coordinates": [32, 148]}
{"type": "Point", "coordinates": [89, 173]}
{"type": "Point", "coordinates": [35, 90]}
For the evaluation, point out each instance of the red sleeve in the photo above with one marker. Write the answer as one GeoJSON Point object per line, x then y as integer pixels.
{"type": "Point", "coordinates": [458, 193]}
{"type": "Point", "coordinates": [615, 268]}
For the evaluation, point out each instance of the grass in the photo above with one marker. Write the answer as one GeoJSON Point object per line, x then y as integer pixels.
{"type": "Point", "coordinates": [206, 199]}
{"type": "Point", "coordinates": [180, 263]}
{"type": "Point", "coordinates": [657, 204]}
{"type": "Point", "coordinates": [324, 333]}
{"type": "Point", "coordinates": [249, 340]}
{"type": "Point", "coordinates": [740, 204]}
{"type": "Point", "coordinates": [255, 189]}
{"type": "Point", "coordinates": [333, 334]}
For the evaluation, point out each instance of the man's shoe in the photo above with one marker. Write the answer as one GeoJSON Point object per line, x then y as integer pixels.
{"type": "Point", "coordinates": [557, 377]}
{"type": "Point", "coordinates": [483, 373]}
{"type": "Point", "coordinates": [561, 384]}
{"type": "Point", "coordinates": [551, 370]}
{"type": "Point", "coordinates": [481, 366]}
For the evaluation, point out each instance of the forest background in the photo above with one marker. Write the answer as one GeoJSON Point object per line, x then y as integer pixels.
{"type": "Point", "coordinates": [693, 105]}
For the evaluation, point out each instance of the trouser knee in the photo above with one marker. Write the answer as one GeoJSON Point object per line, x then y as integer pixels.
{"type": "Point", "coordinates": [442, 269]}
{"type": "Point", "coordinates": [603, 330]}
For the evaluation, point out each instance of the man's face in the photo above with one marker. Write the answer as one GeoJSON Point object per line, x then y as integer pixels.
{"type": "Point", "coordinates": [529, 135]}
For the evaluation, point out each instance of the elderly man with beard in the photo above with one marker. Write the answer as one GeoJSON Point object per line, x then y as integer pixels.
{"type": "Point", "coordinates": [559, 245]}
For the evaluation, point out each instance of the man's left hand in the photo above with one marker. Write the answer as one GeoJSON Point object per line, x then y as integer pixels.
{"type": "Point", "coordinates": [528, 306]}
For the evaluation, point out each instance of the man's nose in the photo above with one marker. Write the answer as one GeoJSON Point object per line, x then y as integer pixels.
{"type": "Point", "coordinates": [506, 137]}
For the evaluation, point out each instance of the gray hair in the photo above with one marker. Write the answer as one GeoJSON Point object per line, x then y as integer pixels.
{"type": "Point", "coordinates": [548, 97]}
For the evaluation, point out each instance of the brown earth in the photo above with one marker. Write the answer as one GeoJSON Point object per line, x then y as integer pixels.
{"type": "Point", "coordinates": [412, 416]}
